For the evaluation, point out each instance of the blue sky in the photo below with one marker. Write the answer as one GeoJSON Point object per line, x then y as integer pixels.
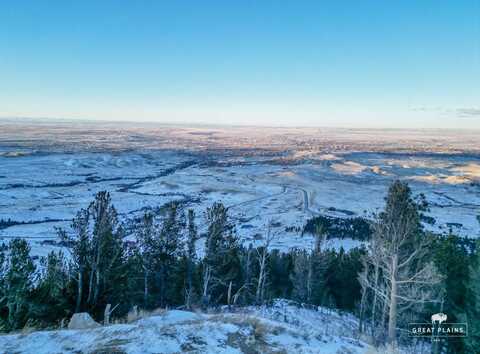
{"type": "Point", "coordinates": [321, 63]}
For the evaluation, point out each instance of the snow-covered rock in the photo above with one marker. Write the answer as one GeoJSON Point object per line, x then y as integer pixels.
{"type": "Point", "coordinates": [82, 320]}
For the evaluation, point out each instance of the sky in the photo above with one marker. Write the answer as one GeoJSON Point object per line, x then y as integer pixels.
{"type": "Point", "coordinates": [394, 64]}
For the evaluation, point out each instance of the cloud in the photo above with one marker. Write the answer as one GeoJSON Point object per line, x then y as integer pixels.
{"type": "Point", "coordinates": [427, 109]}
{"type": "Point", "coordinates": [468, 112]}
{"type": "Point", "coordinates": [471, 112]}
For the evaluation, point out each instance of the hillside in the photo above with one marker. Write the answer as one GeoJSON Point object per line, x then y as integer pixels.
{"type": "Point", "coordinates": [280, 328]}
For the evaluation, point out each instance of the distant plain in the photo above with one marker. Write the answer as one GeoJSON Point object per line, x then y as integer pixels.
{"type": "Point", "coordinates": [283, 176]}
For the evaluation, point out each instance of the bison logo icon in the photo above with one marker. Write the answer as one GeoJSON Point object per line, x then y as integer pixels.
{"type": "Point", "coordinates": [439, 318]}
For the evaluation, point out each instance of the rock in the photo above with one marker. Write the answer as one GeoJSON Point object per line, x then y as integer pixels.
{"type": "Point", "coordinates": [82, 320]}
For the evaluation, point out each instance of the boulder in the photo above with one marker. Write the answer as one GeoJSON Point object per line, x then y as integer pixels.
{"type": "Point", "coordinates": [82, 320]}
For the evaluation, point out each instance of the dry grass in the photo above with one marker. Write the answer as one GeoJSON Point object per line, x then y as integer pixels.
{"type": "Point", "coordinates": [259, 329]}
{"type": "Point", "coordinates": [135, 315]}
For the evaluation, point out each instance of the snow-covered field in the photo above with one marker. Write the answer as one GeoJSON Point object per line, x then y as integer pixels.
{"type": "Point", "coordinates": [282, 327]}
{"type": "Point", "coordinates": [43, 185]}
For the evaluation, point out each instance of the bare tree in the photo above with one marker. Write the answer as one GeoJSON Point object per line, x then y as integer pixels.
{"type": "Point", "coordinates": [370, 278]}
{"type": "Point", "coordinates": [263, 253]}
{"type": "Point", "coordinates": [399, 273]}
{"type": "Point", "coordinates": [363, 302]}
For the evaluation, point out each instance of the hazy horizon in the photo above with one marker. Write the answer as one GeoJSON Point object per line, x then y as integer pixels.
{"type": "Point", "coordinates": [186, 124]}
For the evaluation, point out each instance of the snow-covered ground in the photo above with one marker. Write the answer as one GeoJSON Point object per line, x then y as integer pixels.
{"type": "Point", "coordinates": [43, 186]}
{"type": "Point", "coordinates": [282, 327]}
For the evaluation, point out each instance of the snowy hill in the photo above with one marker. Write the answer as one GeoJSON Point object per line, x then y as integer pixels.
{"type": "Point", "coordinates": [280, 328]}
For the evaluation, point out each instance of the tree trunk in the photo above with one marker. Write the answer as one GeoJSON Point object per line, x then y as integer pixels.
{"type": "Point", "coordinates": [206, 281]}
{"type": "Point", "coordinates": [96, 272]}
{"type": "Point", "coordinates": [247, 276]}
{"type": "Point", "coordinates": [80, 291]}
{"type": "Point", "coordinates": [189, 285]}
{"type": "Point", "coordinates": [384, 318]}
{"type": "Point", "coordinates": [106, 315]}
{"type": "Point", "coordinates": [97, 287]}
{"type": "Point", "coordinates": [162, 286]}
{"type": "Point", "coordinates": [374, 302]}
{"type": "Point", "coordinates": [362, 309]}
{"type": "Point", "coordinates": [145, 288]}
{"type": "Point", "coordinates": [90, 286]}
{"type": "Point", "coordinates": [309, 278]}
{"type": "Point", "coordinates": [261, 280]}
{"type": "Point", "coordinates": [392, 316]}
{"type": "Point", "coordinates": [229, 294]}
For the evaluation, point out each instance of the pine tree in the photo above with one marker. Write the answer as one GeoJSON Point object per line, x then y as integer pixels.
{"type": "Point", "coordinates": [342, 282]}
{"type": "Point", "coordinates": [107, 248]}
{"type": "Point", "coordinates": [452, 260]}
{"type": "Point", "coordinates": [472, 342]}
{"type": "Point", "coordinates": [301, 276]}
{"type": "Point", "coordinates": [146, 233]}
{"type": "Point", "coordinates": [81, 249]}
{"type": "Point", "coordinates": [3, 287]}
{"type": "Point", "coordinates": [168, 250]}
{"type": "Point", "coordinates": [280, 267]}
{"type": "Point", "coordinates": [318, 267]}
{"type": "Point", "coordinates": [52, 294]}
{"type": "Point", "coordinates": [221, 265]}
{"type": "Point", "coordinates": [161, 257]}
{"type": "Point", "coordinates": [19, 272]}
{"type": "Point", "coordinates": [97, 254]}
